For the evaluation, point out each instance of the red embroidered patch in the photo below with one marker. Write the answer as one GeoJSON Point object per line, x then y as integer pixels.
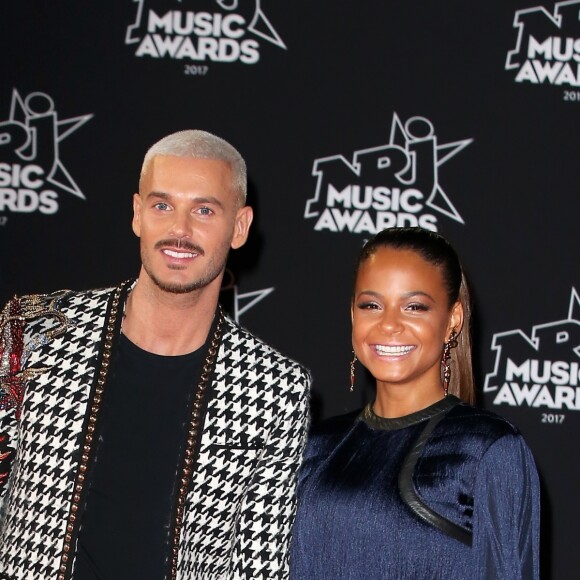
{"type": "Point", "coordinates": [11, 348]}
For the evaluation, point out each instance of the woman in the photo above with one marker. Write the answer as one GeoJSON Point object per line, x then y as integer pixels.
{"type": "Point", "coordinates": [420, 484]}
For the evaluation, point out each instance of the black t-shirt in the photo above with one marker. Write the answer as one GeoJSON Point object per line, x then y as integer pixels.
{"type": "Point", "coordinates": [127, 524]}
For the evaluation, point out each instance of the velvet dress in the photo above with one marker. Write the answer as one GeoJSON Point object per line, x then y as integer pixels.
{"type": "Point", "coordinates": [448, 492]}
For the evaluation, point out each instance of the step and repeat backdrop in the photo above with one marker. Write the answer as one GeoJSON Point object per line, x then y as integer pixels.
{"type": "Point", "coordinates": [460, 117]}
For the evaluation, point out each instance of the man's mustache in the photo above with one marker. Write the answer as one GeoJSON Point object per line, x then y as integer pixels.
{"type": "Point", "coordinates": [180, 245]}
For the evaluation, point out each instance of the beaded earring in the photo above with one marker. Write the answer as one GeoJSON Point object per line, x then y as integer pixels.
{"type": "Point", "coordinates": [352, 363]}
{"type": "Point", "coordinates": [446, 360]}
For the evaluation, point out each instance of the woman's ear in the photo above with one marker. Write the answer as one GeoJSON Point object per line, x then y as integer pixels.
{"type": "Point", "coordinates": [455, 319]}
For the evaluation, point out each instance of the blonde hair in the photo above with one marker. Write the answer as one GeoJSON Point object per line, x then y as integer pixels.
{"type": "Point", "coordinates": [202, 145]}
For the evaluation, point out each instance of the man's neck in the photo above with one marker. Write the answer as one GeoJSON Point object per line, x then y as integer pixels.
{"type": "Point", "coordinates": [169, 324]}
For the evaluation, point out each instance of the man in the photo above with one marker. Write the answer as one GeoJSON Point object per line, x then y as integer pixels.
{"type": "Point", "coordinates": [147, 435]}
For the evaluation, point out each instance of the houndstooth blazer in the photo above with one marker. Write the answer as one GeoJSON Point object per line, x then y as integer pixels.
{"type": "Point", "coordinates": [236, 502]}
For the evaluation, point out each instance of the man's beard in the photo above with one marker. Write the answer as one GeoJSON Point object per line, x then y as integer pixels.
{"type": "Point", "coordinates": [215, 267]}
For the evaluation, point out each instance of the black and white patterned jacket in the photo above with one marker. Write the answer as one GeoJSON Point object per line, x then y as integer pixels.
{"type": "Point", "coordinates": [236, 503]}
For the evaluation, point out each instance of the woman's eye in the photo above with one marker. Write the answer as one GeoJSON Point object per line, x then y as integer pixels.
{"type": "Point", "coordinates": [367, 306]}
{"type": "Point", "coordinates": [417, 307]}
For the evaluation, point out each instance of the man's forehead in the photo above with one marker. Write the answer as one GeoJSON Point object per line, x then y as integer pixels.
{"type": "Point", "coordinates": [195, 176]}
{"type": "Point", "coordinates": [169, 168]}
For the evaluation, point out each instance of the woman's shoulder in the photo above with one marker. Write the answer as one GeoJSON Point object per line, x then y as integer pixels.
{"type": "Point", "coordinates": [335, 424]}
{"type": "Point", "coordinates": [326, 434]}
{"type": "Point", "coordinates": [478, 435]}
{"type": "Point", "coordinates": [472, 454]}
{"type": "Point", "coordinates": [478, 422]}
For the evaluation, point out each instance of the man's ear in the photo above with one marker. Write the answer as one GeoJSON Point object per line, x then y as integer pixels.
{"type": "Point", "coordinates": [136, 223]}
{"type": "Point", "coordinates": [244, 217]}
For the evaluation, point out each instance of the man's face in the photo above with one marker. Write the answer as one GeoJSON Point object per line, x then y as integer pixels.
{"type": "Point", "coordinates": [187, 217]}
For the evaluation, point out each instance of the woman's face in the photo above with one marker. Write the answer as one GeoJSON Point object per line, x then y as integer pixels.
{"type": "Point", "coordinates": [401, 319]}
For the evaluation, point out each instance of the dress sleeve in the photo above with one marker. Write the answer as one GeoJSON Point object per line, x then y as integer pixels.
{"type": "Point", "coordinates": [506, 519]}
{"type": "Point", "coordinates": [267, 511]}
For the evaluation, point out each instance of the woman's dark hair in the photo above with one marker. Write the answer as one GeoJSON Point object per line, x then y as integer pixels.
{"type": "Point", "coordinates": [436, 250]}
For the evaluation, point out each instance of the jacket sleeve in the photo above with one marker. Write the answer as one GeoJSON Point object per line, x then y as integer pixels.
{"type": "Point", "coordinates": [8, 443]}
{"type": "Point", "coordinates": [506, 522]}
{"type": "Point", "coordinates": [11, 344]}
{"type": "Point", "coordinates": [268, 508]}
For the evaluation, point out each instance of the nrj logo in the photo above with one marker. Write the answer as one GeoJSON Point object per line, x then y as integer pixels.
{"type": "Point", "coordinates": [236, 302]}
{"type": "Point", "coordinates": [540, 371]}
{"type": "Point", "coordinates": [547, 46]}
{"type": "Point", "coordinates": [396, 184]}
{"type": "Point", "coordinates": [31, 171]}
{"type": "Point", "coordinates": [201, 30]}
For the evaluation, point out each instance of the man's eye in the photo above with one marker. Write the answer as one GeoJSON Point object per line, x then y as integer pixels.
{"type": "Point", "coordinates": [205, 211]}
{"type": "Point", "coordinates": [161, 206]}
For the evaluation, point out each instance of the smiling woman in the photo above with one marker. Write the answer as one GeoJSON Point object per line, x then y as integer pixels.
{"type": "Point", "coordinates": [401, 318]}
{"type": "Point", "coordinates": [420, 484]}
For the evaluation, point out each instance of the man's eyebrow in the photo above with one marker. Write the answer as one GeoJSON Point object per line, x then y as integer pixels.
{"type": "Point", "coordinates": [159, 194]}
{"type": "Point", "coordinates": [210, 199]}
{"type": "Point", "coordinates": [166, 197]}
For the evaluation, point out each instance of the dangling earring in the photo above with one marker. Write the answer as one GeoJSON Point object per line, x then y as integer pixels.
{"type": "Point", "coordinates": [352, 363]}
{"type": "Point", "coordinates": [446, 360]}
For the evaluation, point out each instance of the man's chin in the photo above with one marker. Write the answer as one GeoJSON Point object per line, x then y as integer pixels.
{"type": "Point", "coordinates": [178, 287]}
{"type": "Point", "coordinates": [174, 283]}
{"type": "Point", "coordinates": [182, 287]}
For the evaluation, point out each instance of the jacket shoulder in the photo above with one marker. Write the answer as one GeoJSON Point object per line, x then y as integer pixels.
{"type": "Point", "coordinates": [61, 298]}
{"type": "Point", "coordinates": [45, 316]}
{"type": "Point", "coordinates": [246, 344]}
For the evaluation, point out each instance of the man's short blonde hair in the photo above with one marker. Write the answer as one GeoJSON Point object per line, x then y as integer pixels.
{"type": "Point", "coordinates": [202, 145]}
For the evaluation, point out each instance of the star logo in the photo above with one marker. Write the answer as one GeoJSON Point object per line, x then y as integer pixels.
{"type": "Point", "coordinates": [546, 49]}
{"type": "Point", "coordinates": [239, 303]}
{"type": "Point", "coordinates": [396, 183]}
{"type": "Point", "coordinates": [551, 341]}
{"type": "Point", "coordinates": [33, 134]}
{"type": "Point", "coordinates": [249, 11]}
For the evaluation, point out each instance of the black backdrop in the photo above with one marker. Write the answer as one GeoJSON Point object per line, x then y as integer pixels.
{"type": "Point", "coordinates": [352, 115]}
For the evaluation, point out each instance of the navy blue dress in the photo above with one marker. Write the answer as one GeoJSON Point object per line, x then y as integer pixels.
{"type": "Point", "coordinates": [450, 492]}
